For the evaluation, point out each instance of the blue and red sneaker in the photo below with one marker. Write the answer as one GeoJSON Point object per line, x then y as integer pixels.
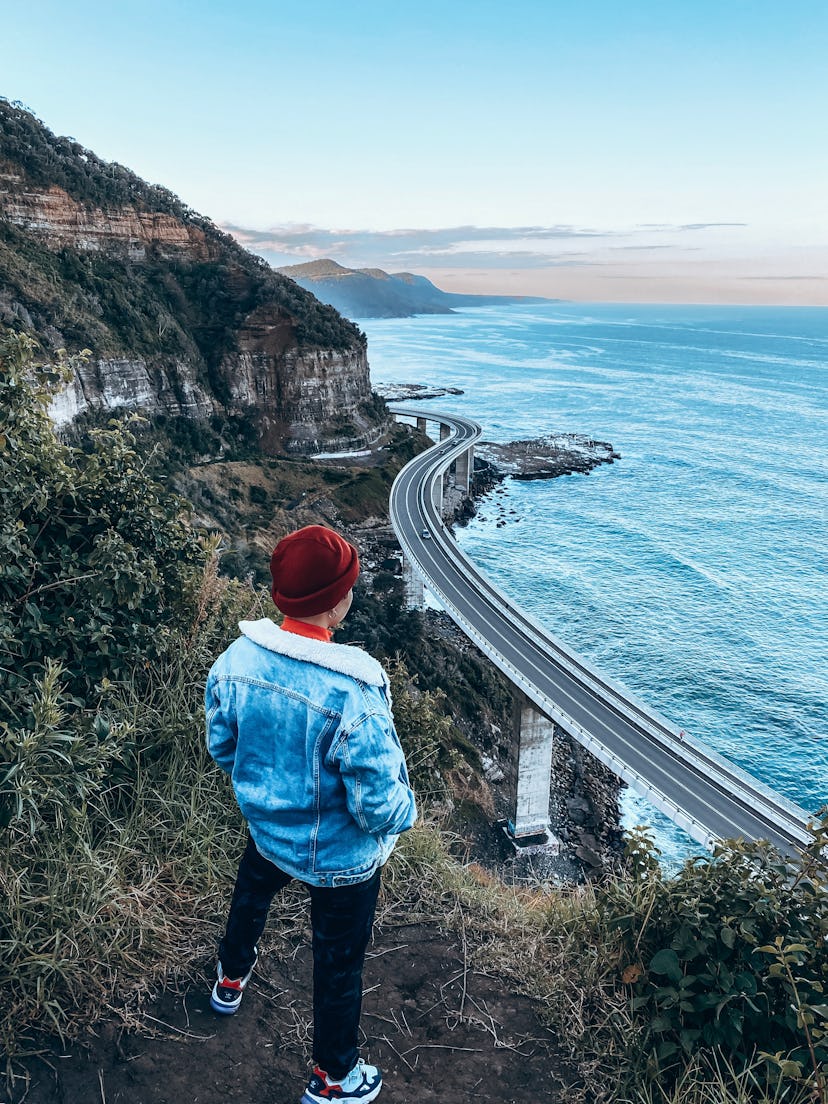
{"type": "Point", "coordinates": [362, 1084]}
{"type": "Point", "coordinates": [228, 992]}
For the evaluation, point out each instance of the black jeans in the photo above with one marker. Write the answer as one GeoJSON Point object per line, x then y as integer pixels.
{"type": "Point", "coordinates": [341, 919]}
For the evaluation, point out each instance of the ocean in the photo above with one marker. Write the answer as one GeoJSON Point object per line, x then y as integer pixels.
{"type": "Point", "coordinates": [693, 569]}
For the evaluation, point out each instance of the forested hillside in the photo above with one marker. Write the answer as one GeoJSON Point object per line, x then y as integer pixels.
{"type": "Point", "coordinates": [179, 318]}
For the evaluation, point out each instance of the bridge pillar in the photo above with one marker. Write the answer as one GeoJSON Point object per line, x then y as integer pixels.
{"type": "Point", "coordinates": [529, 769]}
{"type": "Point", "coordinates": [463, 469]}
{"type": "Point", "coordinates": [421, 425]}
{"type": "Point", "coordinates": [445, 431]}
{"type": "Point", "coordinates": [413, 587]}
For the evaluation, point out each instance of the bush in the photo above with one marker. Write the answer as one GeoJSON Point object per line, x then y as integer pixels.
{"type": "Point", "coordinates": [729, 957]}
{"type": "Point", "coordinates": [109, 804]}
{"type": "Point", "coordinates": [96, 557]}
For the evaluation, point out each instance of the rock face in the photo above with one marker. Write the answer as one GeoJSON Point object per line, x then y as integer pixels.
{"type": "Point", "coordinates": [59, 220]}
{"type": "Point", "coordinates": [120, 383]}
{"type": "Point", "coordinates": [178, 318]}
{"type": "Point", "coordinates": [312, 398]}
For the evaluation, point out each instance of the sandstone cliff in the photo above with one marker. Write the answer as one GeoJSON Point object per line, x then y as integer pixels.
{"type": "Point", "coordinates": [179, 319]}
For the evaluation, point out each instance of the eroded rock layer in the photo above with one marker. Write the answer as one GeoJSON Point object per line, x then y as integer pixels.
{"type": "Point", "coordinates": [178, 318]}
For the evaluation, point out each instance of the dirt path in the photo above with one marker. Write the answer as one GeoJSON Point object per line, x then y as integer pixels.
{"type": "Point", "coordinates": [439, 1029]}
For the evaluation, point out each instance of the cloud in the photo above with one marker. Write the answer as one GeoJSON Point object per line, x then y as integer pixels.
{"type": "Point", "coordinates": [774, 278]}
{"type": "Point", "coordinates": [670, 227]}
{"type": "Point", "coordinates": [637, 248]}
{"type": "Point", "coordinates": [520, 258]}
{"type": "Point", "coordinates": [712, 225]}
{"type": "Point", "coordinates": [479, 247]}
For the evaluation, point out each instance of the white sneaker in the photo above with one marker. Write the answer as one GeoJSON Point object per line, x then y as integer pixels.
{"type": "Point", "coordinates": [228, 992]}
{"type": "Point", "coordinates": [362, 1084]}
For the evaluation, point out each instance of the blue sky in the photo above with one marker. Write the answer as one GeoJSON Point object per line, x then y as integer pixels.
{"type": "Point", "coordinates": [591, 149]}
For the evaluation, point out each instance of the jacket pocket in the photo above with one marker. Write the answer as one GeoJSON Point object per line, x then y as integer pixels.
{"type": "Point", "coordinates": [354, 878]}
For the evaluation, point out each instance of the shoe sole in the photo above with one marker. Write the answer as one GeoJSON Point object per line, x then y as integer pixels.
{"type": "Point", "coordinates": [372, 1095]}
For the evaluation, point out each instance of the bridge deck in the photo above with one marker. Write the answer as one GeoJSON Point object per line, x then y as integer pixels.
{"type": "Point", "coordinates": [701, 791]}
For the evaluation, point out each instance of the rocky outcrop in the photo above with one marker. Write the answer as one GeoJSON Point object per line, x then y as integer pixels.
{"type": "Point", "coordinates": [550, 456]}
{"type": "Point", "coordinates": [585, 805]}
{"type": "Point", "coordinates": [399, 392]}
{"type": "Point", "coordinates": [120, 383]}
{"type": "Point", "coordinates": [52, 214]}
{"type": "Point", "coordinates": [178, 318]}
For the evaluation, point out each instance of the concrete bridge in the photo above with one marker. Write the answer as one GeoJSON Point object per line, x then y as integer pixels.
{"type": "Point", "coordinates": [701, 791]}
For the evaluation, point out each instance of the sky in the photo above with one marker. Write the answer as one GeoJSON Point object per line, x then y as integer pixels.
{"type": "Point", "coordinates": [603, 150]}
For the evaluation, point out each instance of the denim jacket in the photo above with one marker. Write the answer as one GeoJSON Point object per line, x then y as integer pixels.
{"type": "Point", "coordinates": [305, 731]}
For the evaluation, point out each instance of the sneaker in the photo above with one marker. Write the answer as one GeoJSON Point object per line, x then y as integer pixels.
{"type": "Point", "coordinates": [228, 992]}
{"type": "Point", "coordinates": [362, 1084]}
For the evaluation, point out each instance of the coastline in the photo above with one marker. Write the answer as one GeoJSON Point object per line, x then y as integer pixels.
{"type": "Point", "coordinates": [584, 805]}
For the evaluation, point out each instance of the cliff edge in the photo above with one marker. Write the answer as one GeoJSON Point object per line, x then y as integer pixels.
{"type": "Point", "coordinates": [179, 318]}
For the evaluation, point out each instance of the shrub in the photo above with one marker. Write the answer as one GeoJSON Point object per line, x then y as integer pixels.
{"type": "Point", "coordinates": [730, 957]}
{"type": "Point", "coordinates": [109, 805]}
{"type": "Point", "coordinates": [96, 556]}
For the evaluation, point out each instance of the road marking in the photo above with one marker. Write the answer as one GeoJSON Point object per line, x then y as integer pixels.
{"type": "Point", "coordinates": [564, 673]}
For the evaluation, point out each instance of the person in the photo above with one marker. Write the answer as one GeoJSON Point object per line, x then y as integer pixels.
{"type": "Point", "coordinates": [304, 728]}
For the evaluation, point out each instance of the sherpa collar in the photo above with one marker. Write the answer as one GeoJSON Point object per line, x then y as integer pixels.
{"type": "Point", "coordinates": [344, 658]}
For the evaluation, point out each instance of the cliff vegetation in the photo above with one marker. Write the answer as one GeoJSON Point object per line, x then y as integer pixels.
{"type": "Point", "coordinates": [124, 303]}
{"type": "Point", "coordinates": [179, 318]}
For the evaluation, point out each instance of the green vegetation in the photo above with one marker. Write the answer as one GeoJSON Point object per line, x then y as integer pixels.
{"type": "Point", "coordinates": [254, 500]}
{"type": "Point", "coordinates": [730, 954]}
{"type": "Point", "coordinates": [168, 303]}
{"type": "Point", "coordinates": [95, 556]}
{"type": "Point", "coordinates": [119, 835]}
{"type": "Point", "coordinates": [48, 159]}
{"type": "Point", "coordinates": [101, 596]}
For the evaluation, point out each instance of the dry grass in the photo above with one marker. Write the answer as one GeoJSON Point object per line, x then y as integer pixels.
{"type": "Point", "coordinates": [103, 901]}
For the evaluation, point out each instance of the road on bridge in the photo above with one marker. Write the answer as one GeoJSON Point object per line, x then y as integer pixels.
{"type": "Point", "coordinates": [699, 790]}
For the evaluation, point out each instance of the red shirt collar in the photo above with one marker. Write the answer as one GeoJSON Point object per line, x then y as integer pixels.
{"type": "Point", "coordinates": [302, 628]}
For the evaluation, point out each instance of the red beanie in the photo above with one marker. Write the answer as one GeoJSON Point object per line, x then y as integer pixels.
{"type": "Point", "coordinates": [312, 570]}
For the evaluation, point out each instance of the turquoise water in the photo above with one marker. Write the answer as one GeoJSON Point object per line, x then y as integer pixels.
{"type": "Point", "coordinates": [693, 569]}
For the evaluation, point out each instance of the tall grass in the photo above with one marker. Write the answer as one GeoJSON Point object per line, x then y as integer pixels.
{"type": "Point", "coordinates": [123, 835]}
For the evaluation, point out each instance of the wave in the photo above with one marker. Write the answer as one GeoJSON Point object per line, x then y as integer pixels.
{"type": "Point", "coordinates": [689, 570]}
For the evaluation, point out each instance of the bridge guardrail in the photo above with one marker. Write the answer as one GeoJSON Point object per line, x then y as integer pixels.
{"type": "Point", "coordinates": [780, 811]}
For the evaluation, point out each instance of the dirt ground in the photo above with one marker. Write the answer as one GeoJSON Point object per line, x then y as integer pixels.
{"type": "Point", "coordinates": [439, 1029]}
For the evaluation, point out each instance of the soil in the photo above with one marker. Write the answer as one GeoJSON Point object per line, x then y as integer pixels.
{"type": "Point", "coordinates": [438, 1026]}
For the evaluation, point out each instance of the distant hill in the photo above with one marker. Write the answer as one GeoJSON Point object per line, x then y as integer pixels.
{"type": "Point", "coordinates": [372, 293]}
{"type": "Point", "coordinates": [181, 320]}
